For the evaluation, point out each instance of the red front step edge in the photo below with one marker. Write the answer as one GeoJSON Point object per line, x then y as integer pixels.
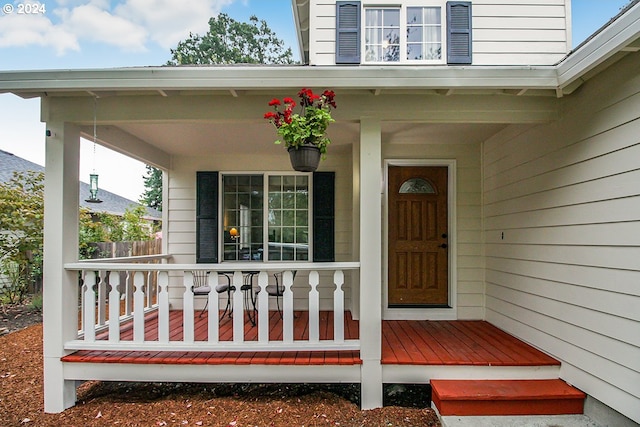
{"type": "Point", "coordinates": [506, 397]}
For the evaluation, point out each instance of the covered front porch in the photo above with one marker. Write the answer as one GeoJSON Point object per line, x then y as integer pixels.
{"type": "Point", "coordinates": [198, 140]}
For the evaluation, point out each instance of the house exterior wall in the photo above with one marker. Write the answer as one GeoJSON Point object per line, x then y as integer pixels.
{"type": "Point", "coordinates": [181, 225]}
{"type": "Point", "coordinates": [561, 221]}
{"type": "Point", "coordinates": [468, 235]}
{"type": "Point", "coordinates": [505, 32]}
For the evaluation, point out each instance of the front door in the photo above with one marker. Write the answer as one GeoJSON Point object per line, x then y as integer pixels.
{"type": "Point", "coordinates": [418, 237]}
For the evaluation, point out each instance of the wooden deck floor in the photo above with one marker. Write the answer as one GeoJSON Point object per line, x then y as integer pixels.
{"type": "Point", "coordinates": [403, 343]}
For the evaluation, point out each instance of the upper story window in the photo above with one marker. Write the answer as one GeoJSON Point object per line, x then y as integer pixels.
{"type": "Point", "coordinates": [403, 34]}
{"type": "Point", "coordinates": [417, 32]}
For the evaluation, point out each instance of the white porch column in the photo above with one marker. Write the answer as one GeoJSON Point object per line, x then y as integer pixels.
{"type": "Point", "coordinates": [60, 288]}
{"type": "Point", "coordinates": [370, 261]}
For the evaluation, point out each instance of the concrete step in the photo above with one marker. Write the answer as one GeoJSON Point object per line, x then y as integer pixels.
{"type": "Point", "coordinates": [506, 397]}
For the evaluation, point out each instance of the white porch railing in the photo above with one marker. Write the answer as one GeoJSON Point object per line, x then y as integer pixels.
{"type": "Point", "coordinates": [149, 286]}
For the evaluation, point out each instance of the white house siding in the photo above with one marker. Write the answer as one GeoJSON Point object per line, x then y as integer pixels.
{"type": "Point", "coordinates": [468, 235]}
{"type": "Point", "coordinates": [566, 274]}
{"type": "Point", "coordinates": [181, 227]}
{"type": "Point", "coordinates": [505, 32]}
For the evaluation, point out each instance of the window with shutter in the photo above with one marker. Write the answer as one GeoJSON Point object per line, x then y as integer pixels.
{"type": "Point", "coordinates": [348, 32]}
{"type": "Point", "coordinates": [207, 217]}
{"type": "Point", "coordinates": [459, 32]}
{"type": "Point", "coordinates": [270, 215]}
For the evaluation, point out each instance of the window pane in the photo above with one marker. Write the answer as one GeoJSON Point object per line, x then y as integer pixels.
{"type": "Point", "coordinates": [382, 34]}
{"type": "Point", "coordinates": [242, 208]}
{"type": "Point", "coordinates": [391, 18]}
{"type": "Point", "coordinates": [417, 185]}
{"type": "Point", "coordinates": [414, 15]}
{"type": "Point", "coordinates": [275, 182]}
{"type": "Point", "coordinates": [373, 17]}
{"type": "Point", "coordinates": [424, 33]}
{"type": "Point", "coordinates": [414, 51]}
{"type": "Point", "coordinates": [414, 34]}
{"type": "Point", "coordinates": [289, 218]}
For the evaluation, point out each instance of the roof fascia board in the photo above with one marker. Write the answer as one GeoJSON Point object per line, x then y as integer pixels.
{"type": "Point", "coordinates": [276, 77]}
{"type": "Point", "coordinates": [611, 40]}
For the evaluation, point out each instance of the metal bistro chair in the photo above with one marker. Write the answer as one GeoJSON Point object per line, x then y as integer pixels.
{"type": "Point", "coordinates": [201, 287]}
{"type": "Point", "coordinates": [277, 289]}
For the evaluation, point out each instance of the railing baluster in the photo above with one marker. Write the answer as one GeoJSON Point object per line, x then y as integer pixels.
{"type": "Point", "coordinates": [314, 307]}
{"type": "Point", "coordinates": [138, 307]}
{"type": "Point", "coordinates": [114, 307]}
{"type": "Point", "coordinates": [83, 287]}
{"type": "Point", "coordinates": [338, 307]}
{"type": "Point", "coordinates": [187, 310]}
{"type": "Point", "coordinates": [149, 291]}
{"type": "Point", "coordinates": [128, 294]}
{"type": "Point", "coordinates": [238, 309]}
{"type": "Point", "coordinates": [287, 307]}
{"type": "Point", "coordinates": [213, 322]}
{"type": "Point", "coordinates": [102, 297]}
{"type": "Point", "coordinates": [263, 307]}
{"type": "Point", "coordinates": [89, 306]}
{"type": "Point", "coordinates": [163, 307]}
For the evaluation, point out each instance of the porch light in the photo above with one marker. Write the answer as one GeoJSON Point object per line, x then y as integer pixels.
{"type": "Point", "coordinates": [93, 177]}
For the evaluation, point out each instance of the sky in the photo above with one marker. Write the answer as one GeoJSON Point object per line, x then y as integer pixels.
{"type": "Point", "coordinates": [85, 34]}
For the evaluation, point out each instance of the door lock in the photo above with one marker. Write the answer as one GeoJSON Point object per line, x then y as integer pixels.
{"type": "Point", "coordinates": [444, 246]}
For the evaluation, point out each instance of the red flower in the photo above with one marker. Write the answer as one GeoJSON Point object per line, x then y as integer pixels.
{"type": "Point", "coordinates": [289, 101]}
{"type": "Point", "coordinates": [274, 102]}
{"type": "Point", "coordinates": [270, 115]}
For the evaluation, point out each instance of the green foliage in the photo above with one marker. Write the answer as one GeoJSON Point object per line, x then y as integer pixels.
{"type": "Point", "coordinates": [104, 227]}
{"type": "Point", "coordinates": [231, 42]}
{"type": "Point", "coordinates": [307, 127]}
{"type": "Point", "coordinates": [36, 302]}
{"type": "Point", "coordinates": [21, 237]}
{"type": "Point", "coordinates": [16, 282]}
{"type": "Point", "coordinates": [152, 196]}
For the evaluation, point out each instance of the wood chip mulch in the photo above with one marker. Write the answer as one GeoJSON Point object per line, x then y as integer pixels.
{"type": "Point", "coordinates": [162, 404]}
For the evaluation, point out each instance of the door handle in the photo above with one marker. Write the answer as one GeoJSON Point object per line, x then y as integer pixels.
{"type": "Point", "coordinates": [444, 246]}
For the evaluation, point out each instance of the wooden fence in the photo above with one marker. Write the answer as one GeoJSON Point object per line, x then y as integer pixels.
{"type": "Point", "coordinates": [127, 249]}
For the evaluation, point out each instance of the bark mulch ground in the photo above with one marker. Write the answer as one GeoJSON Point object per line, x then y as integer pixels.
{"type": "Point", "coordinates": [162, 404]}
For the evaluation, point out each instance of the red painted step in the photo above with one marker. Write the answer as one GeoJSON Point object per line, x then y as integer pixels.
{"type": "Point", "coordinates": [506, 397]}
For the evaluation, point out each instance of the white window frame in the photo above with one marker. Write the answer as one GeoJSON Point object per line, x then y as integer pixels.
{"type": "Point", "coordinates": [265, 206]}
{"type": "Point", "coordinates": [379, 4]}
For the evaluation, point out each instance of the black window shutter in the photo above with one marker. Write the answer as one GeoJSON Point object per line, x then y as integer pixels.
{"type": "Point", "coordinates": [347, 32]}
{"type": "Point", "coordinates": [324, 217]}
{"type": "Point", "coordinates": [459, 32]}
{"type": "Point", "coordinates": [207, 217]}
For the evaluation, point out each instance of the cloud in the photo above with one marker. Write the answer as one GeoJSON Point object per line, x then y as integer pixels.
{"type": "Point", "coordinates": [130, 25]}
{"type": "Point", "coordinates": [169, 21]}
{"type": "Point", "coordinates": [89, 22]}
{"type": "Point", "coordinates": [26, 30]}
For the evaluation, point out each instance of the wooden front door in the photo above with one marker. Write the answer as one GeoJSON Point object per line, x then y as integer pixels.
{"type": "Point", "coordinates": [418, 237]}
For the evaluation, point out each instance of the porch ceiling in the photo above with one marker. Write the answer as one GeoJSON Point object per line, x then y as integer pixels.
{"type": "Point", "coordinates": [193, 139]}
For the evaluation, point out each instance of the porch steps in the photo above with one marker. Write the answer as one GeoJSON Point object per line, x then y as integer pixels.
{"type": "Point", "coordinates": [506, 397]}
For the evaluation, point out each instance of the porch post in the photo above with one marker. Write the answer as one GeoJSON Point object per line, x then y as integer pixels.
{"type": "Point", "coordinates": [60, 288]}
{"type": "Point", "coordinates": [370, 261]}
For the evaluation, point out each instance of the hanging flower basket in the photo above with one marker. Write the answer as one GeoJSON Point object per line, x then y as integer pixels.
{"type": "Point", "coordinates": [304, 158]}
{"type": "Point", "coordinates": [304, 133]}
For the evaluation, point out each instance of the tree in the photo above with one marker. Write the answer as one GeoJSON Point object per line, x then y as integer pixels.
{"type": "Point", "coordinates": [231, 42]}
{"type": "Point", "coordinates": [21, 236]}
{"type": "Point", "coordinates": [152, 196]}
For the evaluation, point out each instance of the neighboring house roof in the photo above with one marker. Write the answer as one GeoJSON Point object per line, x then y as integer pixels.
{"type": "Point", "coordinates": [111, 203]}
